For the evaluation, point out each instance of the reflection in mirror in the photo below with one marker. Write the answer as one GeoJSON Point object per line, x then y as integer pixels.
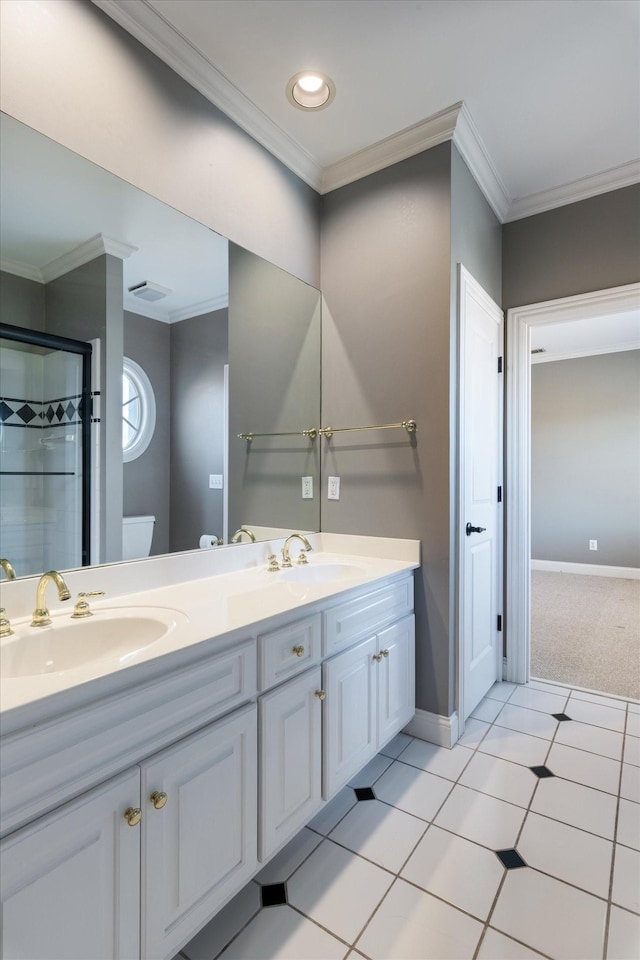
{"type": "Point", "coordinates": [87, 256]}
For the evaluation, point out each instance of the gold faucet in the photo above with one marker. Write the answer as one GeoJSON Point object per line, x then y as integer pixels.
{"type": "Point", "coordinates": [238, 535]}
{"type": "Point", "coordinates": [306, 547]}
{"type": "Point", "coordinates": [8, 569]}
{"type": "Point", "coordinates": [41, 614]}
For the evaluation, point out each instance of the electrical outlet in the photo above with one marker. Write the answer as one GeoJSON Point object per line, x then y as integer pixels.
{"type": "Point", "coordinates": [307, 488]}
{"type": "Point", "coordinates": [593, 544]}
{"type": "Point", "coordinates": [333, 488]}
{"type": "Point", "coordinates": [215, 481]}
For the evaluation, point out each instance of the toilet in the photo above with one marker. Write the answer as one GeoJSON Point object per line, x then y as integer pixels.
{"type": "Point", "coordinates": [137, 533]}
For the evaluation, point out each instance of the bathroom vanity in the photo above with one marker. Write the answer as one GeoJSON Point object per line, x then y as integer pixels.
{"type": "Point", "coordinates": [144, 787]}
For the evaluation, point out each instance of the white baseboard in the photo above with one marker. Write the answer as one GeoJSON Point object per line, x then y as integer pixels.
{"type": "Point", "coordinates": [590, 569]}
{"type": "Point", "coordinates": [434, 728]}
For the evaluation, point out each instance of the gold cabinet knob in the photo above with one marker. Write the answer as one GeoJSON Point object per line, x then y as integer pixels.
{"type": "Point", "coordinates": [377, 657]}
{"type": "Point", "coordinates": [385, 653]}
{"type": "Point", "coordinates": [299, 650]}
{"type": "Point", "coordinates": [320, 694]}
{"type": "Point", "coordinates": [158, 799]}
{"type": "Point", "coordinates": [133, 816]}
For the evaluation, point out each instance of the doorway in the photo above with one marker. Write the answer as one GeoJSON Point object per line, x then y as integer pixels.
{"type": "Point", "coordinates": [522, 322]}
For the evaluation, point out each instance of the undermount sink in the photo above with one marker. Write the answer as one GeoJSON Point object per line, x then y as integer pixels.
{"type": "Point", "coordinates": [116, 635]}
{"type": "Point", "coordinates": [319, 572]}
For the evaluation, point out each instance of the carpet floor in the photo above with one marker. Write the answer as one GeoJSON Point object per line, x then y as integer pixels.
{"type": "Point", "coordinates": [585, 631]}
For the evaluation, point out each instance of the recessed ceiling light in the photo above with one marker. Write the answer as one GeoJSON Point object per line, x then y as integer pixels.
{"type": "Point", "coordinates": [310, 90]}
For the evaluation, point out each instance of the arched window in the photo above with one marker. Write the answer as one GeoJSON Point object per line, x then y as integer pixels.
{"type": "Point", "coordinates": [138, 410]}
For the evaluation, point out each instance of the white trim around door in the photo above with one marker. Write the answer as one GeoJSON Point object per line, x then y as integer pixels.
{"type": "Point", "coordinates": [520, 321]}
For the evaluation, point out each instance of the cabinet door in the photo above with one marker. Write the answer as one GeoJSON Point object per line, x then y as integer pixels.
{"type": "Point", "coordinates": [290, 721]}
{"type": "Point", "coordinates": [349, 724]}
{"type": "Point", "coordinates": [201, 846]}
{"type": "Point", "coordinates": [396, 678]}
{"type": "Point", "coordinates": [70, 881]}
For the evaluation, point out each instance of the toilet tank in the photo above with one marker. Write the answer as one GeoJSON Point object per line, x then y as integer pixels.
{"type": "Point", "coordinates": [137, 533]}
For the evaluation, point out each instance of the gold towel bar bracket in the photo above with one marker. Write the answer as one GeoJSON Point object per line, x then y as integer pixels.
{"type": "Point", "coordinates": [409, 425]}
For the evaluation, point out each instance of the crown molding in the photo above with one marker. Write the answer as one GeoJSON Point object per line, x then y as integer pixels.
{"type": "Point", "coordinates": [85, 252]}
{"type": "Point", "coordinates": [586, 352]}
{"type": "Point", "coordinates": [476, 156]}
{"type": "Point", "coordinates": [197, 309]}
{"type": "Point", "coordinates": [612, 179]}
{"type": "Point", "coordinates": [148, 26]}
{"type": "Point", "coordinates": [20, 269]}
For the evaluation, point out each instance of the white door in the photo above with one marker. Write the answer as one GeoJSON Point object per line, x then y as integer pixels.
{"type": "Point", "coordinates": [200, 847]}
{"type": "Point", "coordinates": [396, 679]}
{"type": "Point", "coordinates": [349, 714]}
{"type": "Point", "coordinates": [70, 881]}
{"type": "Point", "coordinates": [480, 535]}
{"type": "Point", "coordinates": [290, 719]}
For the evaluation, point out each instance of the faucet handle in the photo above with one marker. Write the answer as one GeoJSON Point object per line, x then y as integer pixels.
{"type": "Point", "coordinates": [81, 608]}
{"type": "Point", "coordinates": [274, 566]}
{"type": "Point", "coordinates": [5, 626]}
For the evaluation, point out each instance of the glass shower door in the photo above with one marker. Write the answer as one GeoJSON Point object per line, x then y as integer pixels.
{"type": "Point", "coordinates": [44, 451]}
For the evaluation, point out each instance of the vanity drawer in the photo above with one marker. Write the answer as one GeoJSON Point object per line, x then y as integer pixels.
{"type": "Point", "coordinates": [288, 651]}
{"type": "Point", "coordinates": [355, 619]}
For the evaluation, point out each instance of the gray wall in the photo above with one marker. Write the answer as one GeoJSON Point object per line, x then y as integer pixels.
{"type": "Point", "coordinates": [83, 304]}
{"type": "Point", "coordinates": [21, 302]}
{"type": "Point", "coordinates": [585, 459]}
{"type": "Point", "coordinates": [70, 72]}
{"type": "Point", "coordinates": [146, 479]}
{"type": "Point", "coordinates": [386, 354]}
{"type": "Point", "coordinates": [199, 351]}
{"type": "Point", "coordinates": [583, 246]}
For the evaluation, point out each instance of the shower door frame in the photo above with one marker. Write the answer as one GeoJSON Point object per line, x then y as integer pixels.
{"type": "Point", "coordinates": [53, 341]}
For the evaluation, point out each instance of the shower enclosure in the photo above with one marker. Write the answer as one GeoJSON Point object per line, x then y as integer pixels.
{"type": "Point", "coordinates": [45, 431]}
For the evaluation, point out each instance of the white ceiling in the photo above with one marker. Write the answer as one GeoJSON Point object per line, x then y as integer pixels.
{"type": "Point", "coordinates": [592, 335]}
{"type": "Point", "coordinates": [551, 88]}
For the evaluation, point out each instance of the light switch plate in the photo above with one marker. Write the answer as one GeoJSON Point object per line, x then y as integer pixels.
{"type": "Point", "coordinates": [215, 481]}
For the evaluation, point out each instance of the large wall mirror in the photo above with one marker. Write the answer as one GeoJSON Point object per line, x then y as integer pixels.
{"type": "Point", "coordinates": [195, 341]}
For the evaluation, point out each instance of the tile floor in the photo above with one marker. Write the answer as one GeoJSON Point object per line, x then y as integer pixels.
{"type": "Point", "coordinates": [523, 841]}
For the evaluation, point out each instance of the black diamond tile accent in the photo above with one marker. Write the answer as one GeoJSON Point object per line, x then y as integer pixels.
{"type": "Point", "coordinates": [511, 859]}
{"type": "Point", "coordinates": [70, 410]}
{"type": "Point", "coordinates": [560, 716]}
{"type": "Point", "coordinates": [49, 414]}
{"type": "Point", "coordinates": [364, 793]}
{"type": "Point", "coordinates": [542, 772]}
{"type": "Point", "coordinates": [273, 894]}
{"type": "Point", "coordinates": [5, 411]}
{"type": "Point", "coordinates": [59, 411]}
{"type": "Point", "coordinates": [26, 413]}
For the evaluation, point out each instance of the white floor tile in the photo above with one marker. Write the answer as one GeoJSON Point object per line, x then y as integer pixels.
{"type": "Point", "coordinates": [539, 700]}
{"type": "Point", "coordinates": [496, 946]}
{"type": "Point", "coordinates": [624, 935]}
{"type": "Point", "coordinates": [464, 874]}
{"type": "Point", "coordinates": [527, 721]}
{"type": "Point", "coordinates": [487, 710]}
{"type": "Point", "coordinates": [225, 925]}
{"type": "Point", "coordinates": [412, 925]}
{"type": "Point", "coordinates": [633, 707]}
{"type": "Point", "coordinates": [629, 824]}
{"type": "Point", "coordinates": [579, 806]}
{"type": "Point", "coordinates": [333, 811]}
{"type": "Point", "coordinates": [587, 768]}
{"type": "Point", "coordinates": [633, 724]}
{"type": "Point", "coordinates": [476, 816]}
{"type": "Point", "coordinates": [567, 853]}
{"type": "Point", "coordinates": [372, 772]}
{"type": "Point", "coordinates": [338, 889]}
{"type": "Point", "coordinates": [599, 716]}
{"type": "Point", "coordinates": [380, 833]}
{"type": "Point", "coordinates": [289, 859]}
{"type": "Point", "coordinates": [584, 736]}
{"type": "Point", "coordinates": [550, 916]}
{"type": "Point", "coordinates": [501, 690]}
{"type": "Point", "coordinates": [515, 746]}
{"type": "Point", "coordinates": [279, 933]}
{"type": "Point", "coordinates": [438, 760]}
{"type": "Point", "coordinates": [598, 698]}
{"type": "Point", "coordinates": [474, 731]}
{"type": "Point", "coordinates": [630, 786]}
{"type": "Point", "coordinates": [500, 778]}
{"type": "Point", "coordinates": [556, 688]}
{"type": "Point", "coordinates": [395, 747]}
{"type": "Point", "coordinates": [632, 751]}
{"type": "Point", "coordinates": [626, 879]}
{"type": "Point", "coordinates": [412, 790]}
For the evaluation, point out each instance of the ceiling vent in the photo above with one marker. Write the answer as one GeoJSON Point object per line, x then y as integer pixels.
{"type": "Point", "coordinates": [539, 350]}
{"type": "Point", "coordinates": [149, 291]}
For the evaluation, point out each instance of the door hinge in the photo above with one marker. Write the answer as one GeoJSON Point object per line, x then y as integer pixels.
{"type": "Point", "coordinates": [499, 364]}
{"type": "Point", "coordinates": [499, 621]}
{"type": "Point", "coordinates": [499, 494]}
